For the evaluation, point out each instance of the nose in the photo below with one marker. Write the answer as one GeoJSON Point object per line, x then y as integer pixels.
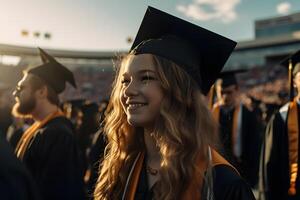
{"type": "Point", "coordinates": [131, 90]}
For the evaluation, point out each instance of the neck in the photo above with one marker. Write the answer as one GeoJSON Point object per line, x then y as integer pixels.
{"type": "Point", "coordinates": [42, 111]}
{"type": "Point", "coordinates": [153, 154]}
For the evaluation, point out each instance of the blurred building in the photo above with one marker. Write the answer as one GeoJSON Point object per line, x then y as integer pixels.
{"type": "Point", "coordinates": [275, 38]}
{"type": "Point", "coordinates": [278, 26]}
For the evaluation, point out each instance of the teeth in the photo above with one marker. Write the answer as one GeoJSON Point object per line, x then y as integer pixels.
{"type": "Point", "coordinates": [136, 105]}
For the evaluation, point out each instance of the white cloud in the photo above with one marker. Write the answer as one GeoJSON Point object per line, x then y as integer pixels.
{"type": "Point", "coordinates": [283, 8]}
{"type": "Point", "coordinates": [204, 10]}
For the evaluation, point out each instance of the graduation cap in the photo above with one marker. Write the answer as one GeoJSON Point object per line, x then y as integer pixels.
{"type": "Point", "coordinates": [292, 62]}
{"type": "Point", "coordinates": [78, 103]}
{"type": "Point", "coordinates": [53, 73]}
{"type": "Point", "coordinates": [200, 52]}
{"type": "Point", "coordinates": [229, 77]}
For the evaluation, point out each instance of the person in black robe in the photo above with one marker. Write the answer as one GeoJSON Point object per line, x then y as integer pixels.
{"type": "Point", "coordinates": [279, 174]}
{"type": "Point", "coordinates": [227, 185]}
{"type": "Point", "coordinates": [240, 131]}
{"type": "Point", "coordinates": [48, 147]}
{"type": "Point", "coordinates": [96, 151]}
{"type": "Point", "coordinates": [5, 119]}
{"type": "Point", "coordinates": [16, 182]}
{"type": "Point", "coordinates": [158, 120]}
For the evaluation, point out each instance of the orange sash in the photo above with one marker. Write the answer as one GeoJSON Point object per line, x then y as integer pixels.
{"type": "Point", "coordinates": [293, 134]}
{"type": "Point", "coordinates": [194, 189]}
{"type": "Point", "coordinates": [31, 132]}
{"type": "Point", "coordinates": [234, 131]}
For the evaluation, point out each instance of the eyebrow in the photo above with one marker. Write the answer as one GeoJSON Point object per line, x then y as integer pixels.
{"type": "Point", "coordinates": [145, 70]}
{"type": "Point", "coordinates": [142, 71]}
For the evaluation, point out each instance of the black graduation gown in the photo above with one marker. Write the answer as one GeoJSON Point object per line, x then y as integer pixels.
{"type": "Point", "coordinates": [251, 139]}
{"type": "Point", "coordinates": [95, 157]}
{"type": "Point", "coordinates": [274, 168]}
{"type": "Point", "coordinates": [15, 181]}
{"type": "Point", "coordinates": [227, 185]}
{"type": "Point", "coordinates": [5, 120]}
{"type": "Point", "coordinates": [53, 160]}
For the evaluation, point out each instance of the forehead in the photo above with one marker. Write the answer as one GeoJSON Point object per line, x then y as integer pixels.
{"type": "Point", "coordinates": [230, 87]}
{"type": "Point", "coordinates": [297, 75]}
{"type": "Point", "coordinates": [25, 80]}
{"type": "Point", "coordinates": [137, 63]}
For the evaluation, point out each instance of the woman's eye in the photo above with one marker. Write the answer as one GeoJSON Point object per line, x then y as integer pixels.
{"type": "Point", "coordinates": [147, 78]}
{"type": "Point", "coordinates": [124, 81]}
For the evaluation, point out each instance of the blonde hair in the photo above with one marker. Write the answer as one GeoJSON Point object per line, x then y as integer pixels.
{"type": "Point", "coordinates": [184, 131]}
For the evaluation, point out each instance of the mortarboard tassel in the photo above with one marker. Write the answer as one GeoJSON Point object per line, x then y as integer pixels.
{"type": "Point", "coordinates": [291, 80]}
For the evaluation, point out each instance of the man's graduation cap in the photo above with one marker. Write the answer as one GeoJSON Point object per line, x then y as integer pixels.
{"type": "Point", "coordinates": [292, 62]}
{"type": "Point", "coordinates": [53, 73]}
{"type": "Point", "coordinates": [229, 77]}
{"type": "Point", "coordinates": [201, 53]}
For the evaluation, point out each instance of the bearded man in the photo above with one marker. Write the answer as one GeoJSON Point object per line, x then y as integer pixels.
{"type": "Point", "coordinates": [48, 148]}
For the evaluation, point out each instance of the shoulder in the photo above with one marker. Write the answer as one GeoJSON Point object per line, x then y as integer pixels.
{"type": "Point", "coordinates": [246, 110]}
{"type": "Point", "coordinates": [57, 129]}
{"type": "Point", "coordinates": [58, 125]}
{"type": "Point", "coordinates": [16, 182]}
{"type": "Point", "coordinates": [225, 174]}
{"type": "Point", "coordinates": [227, 184]}
{"type": "Point", "coordinates": [280, 116]}
{"type": "Point", "coordinates": [284, 108]}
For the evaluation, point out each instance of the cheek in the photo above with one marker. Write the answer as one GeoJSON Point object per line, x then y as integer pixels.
{"type": "Point", "coordinates": [157, 95]}
{"type": "Point", "coordinates": [122, 99]}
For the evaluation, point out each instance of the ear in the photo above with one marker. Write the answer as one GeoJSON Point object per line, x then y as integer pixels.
{"type": "Point", "coordinates": [42, 93]}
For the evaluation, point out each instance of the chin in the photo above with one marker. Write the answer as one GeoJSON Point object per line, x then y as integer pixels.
{"type": "Point", "coordinates": [136, 122]}
{"type": "Point", "coordinates": [16, 112]}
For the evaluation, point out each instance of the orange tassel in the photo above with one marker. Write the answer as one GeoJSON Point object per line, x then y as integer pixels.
{"type": "Point", "coordinates": [294, 172]}
{"type": "Point", "coordinates": [292, 190]}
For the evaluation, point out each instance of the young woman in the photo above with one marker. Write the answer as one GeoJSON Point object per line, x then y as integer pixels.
{"type": "Point", "coordinates": [160, 132]}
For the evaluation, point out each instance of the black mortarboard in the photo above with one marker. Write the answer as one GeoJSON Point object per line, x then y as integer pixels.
{"type": "Point", "coordinates": [53, 73]}
{"type": "Point", "coordinates": [77, 103]}
{"type": "Point", "coordinates": [292, 63]}
{"type": "Point", "coordinates": [229, 77]}
{"type": "Point", "coordinates": [201, 53]}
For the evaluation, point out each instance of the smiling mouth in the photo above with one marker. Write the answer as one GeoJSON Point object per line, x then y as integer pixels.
{"type": "Point", "coordinates": [135, 106]}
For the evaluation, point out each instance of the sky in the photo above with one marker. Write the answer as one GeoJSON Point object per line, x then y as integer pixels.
{"type": "Point", "coordinates": [105, 25]}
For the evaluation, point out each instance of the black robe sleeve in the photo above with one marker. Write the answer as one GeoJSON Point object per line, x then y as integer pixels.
{"type": "Point", "coordinates": [53, 160]}
{"type": "Point", "coordinates": [228, 185]}
{"type": "Point", "coordinates": [251, 145]}
{"type": "Point", "coordinates": [15, 181]}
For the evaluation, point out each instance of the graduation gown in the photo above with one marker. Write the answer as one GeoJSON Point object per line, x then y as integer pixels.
{"type": "Point", "coordinates": [15, 181]}
{"type": "Point", "coordinates": [274, 178]}
{"type": "Point", "coordinates": [227, 185]}
{"type": "Point", "coordinates": [53, 160]}
{"type": "Point", "coordinates": [250, 140]}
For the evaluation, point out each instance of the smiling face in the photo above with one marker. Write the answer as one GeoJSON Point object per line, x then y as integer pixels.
{"type": "Point", "coordinates": [141, 92]}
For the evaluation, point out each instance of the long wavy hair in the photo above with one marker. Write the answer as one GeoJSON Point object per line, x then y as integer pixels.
{"type": "Point", "coordinates": [184, 130]}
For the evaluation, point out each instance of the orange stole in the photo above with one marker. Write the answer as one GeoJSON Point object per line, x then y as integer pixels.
{"type": "Point", "coordinates": [293, 135]}
{"type": "Point", "coordinates": [194, 189]}
{"type": "Point", "coordinates": [234, 131]}
{"type": "Point", "coordinates": [30, 133]}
